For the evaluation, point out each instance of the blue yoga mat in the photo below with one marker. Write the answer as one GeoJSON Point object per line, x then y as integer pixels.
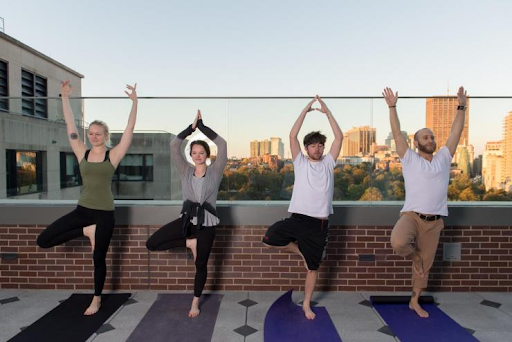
{"type": "Point", "coordinates": [285, 322]}
{"type": "Point", "coordinates": [409, 327]}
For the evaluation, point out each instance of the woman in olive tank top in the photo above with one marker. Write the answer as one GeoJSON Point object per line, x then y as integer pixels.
{"type": "Point", "coordinates": [94, 215]}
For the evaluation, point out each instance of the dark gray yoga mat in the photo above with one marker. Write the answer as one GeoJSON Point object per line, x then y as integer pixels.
{"type": "Point", "coordinates": [67, 322]}
{"type": "Point", "coordinates": [167, 320]}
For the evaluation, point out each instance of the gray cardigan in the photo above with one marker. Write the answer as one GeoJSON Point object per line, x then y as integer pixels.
{"type": "Point", "coordinates": [214, 172]}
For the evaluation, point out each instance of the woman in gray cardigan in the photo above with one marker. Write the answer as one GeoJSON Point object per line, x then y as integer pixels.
{"type": "Point", "coordinates": [195, 229]}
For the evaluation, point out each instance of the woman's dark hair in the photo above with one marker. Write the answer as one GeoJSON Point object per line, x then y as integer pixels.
{"type": "Point", "coordinates": [314, 138]}
{"type": "Point", "coordinates": [202, 143]}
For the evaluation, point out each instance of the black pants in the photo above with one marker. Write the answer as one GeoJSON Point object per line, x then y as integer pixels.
{"type": "Point", "coordinates": [310, 233]}
{"type": "Point", "coordinates": [71, 226]}
{"type": "Point", "coordinates": [171, 236]}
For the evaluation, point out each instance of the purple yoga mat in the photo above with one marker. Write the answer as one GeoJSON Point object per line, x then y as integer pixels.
{"type": "Point", "coordinates": [285, 322]}
{"type": "Point", "coordinates": [167, 320]}
{"type": "Point", "coordinates": [409, 327]}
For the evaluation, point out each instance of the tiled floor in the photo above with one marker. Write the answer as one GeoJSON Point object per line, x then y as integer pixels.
{"type": "Point", "coordinates": [241, 316]}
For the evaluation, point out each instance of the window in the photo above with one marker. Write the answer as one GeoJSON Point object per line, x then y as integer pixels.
{"type": "Point", "coordinates": [135, 167]}
{"type": "Point", "coordinates": [4, 103]}
{"type": "Point", "coordinates": [33, 85]}
{"type": "Point", "coordinates": [24, 172]}
{"type": "Point", "coordinates": [69, 170]}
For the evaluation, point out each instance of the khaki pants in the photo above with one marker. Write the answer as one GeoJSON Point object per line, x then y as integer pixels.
{"type": "Point", "coordinates": [409, 228]}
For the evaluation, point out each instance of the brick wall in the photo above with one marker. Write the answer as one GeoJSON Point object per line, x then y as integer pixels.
{"type": "Point", "coordinates": [239, 262]}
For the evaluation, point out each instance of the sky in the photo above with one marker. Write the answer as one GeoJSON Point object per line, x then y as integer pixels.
{"type": "Point", "coordinates": [276, 48]}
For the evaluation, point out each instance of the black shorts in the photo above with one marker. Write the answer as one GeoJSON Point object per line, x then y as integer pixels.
{"type": "Point", "coordinates": [309, 232]}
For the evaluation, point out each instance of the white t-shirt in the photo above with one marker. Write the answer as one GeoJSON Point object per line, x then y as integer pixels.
{"type": "Point", "coordinates": [426, 183]}
{"type": "Point", "coordinates": [313, 187]}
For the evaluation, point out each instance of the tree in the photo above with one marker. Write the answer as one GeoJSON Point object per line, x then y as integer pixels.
{"type": "Point", "coordinates": [467, 195]}
{"type": "Point", "coordinates": [372, 194]}
{"type": "Point", "coordinates": [380, 181]}
{"type": "Point", "coordinates": [358, 176]}
{"type": "Point", "coordinates": [396, 191]}
{"type": "Point", "coordinates": [497, 195]}
{"type": "Point", "coordinates": [453, 192]}
{"type": "Point", "coordinates": [462, 182]}
{"type": "Point", "coordinates": [355, 191]}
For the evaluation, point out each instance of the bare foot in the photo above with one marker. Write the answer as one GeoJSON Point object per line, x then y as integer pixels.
{"type": "Point", "coordinates": [194, 309]}
{"type": "Point", "coordinates": [94, 307]}
{"type": "Point", "coordinates": [90, 232]}
{"type": "Point", "coordinates": [417, 265]}
{"type": "Point", "coordinates": [192, 244]}
{"type": "Point", "coordinates": [310, 315]}
{"type": "Point", "coordinates": [416, 307]}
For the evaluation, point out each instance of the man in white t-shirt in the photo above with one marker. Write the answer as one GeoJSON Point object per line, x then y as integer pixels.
{"type": "Point", "coordinates": [305, 232]}
{"type": "Point", "coordinates": [426, 178]}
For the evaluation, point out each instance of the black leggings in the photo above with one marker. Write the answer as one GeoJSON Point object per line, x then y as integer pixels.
{"type": "Point", "coordinates": [71, 226]}
{"type": "Point", "coordinates": [171, 236]}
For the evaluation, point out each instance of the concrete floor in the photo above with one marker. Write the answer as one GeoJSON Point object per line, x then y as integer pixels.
{"type": "Point", "coordinates": [487, 315]}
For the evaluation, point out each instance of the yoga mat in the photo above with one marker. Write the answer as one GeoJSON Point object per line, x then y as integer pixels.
{"type": "Point", "coordinates": [400, 299]}
{"type": "Point", "coordinates": [167, 320]}
{"type": "Point", "coordinates": [409, 327]}
{"type": "Point", "coordinates": [285, 322]}
{"type": "Point", "coordinates": [67, 321]}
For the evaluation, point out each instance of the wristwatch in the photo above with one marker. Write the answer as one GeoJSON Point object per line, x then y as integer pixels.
{"type": "Point", "coordinates": [461, 107]}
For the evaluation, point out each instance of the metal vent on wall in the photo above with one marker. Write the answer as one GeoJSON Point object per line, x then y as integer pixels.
{"type": "Point", "coordinates": [451, 251]}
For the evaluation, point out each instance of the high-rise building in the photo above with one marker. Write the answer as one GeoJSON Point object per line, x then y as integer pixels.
{"type": "Point", "coordinates": [477, 166]}
{"type": "Point", "coordinates": [358, 141]}
{"type": "Point", "coordinates": [274, 147]}
{"type": "Point", "coordinates": [440, 114]}
{"type": "Point", "coordinates": [264, 147]}
{"type": "Point", "coordinates": [277, 147]}
{"type": "Point", "coordinates": [463, 160]}
{"type": "Point", "coordinates": [507, 151]}
{"type": "Point", "coordinates": [464, 156]}
{"type": "Point", "coordinates": [255, 148]}
{"type": "Point", "coordinates": [493, 165]}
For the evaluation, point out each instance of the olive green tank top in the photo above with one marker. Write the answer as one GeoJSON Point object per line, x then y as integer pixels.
{"type": "Point", "coordinates": [96, 190]}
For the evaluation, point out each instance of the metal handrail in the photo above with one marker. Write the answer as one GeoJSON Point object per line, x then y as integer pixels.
{"type": "Point", "coordinates": [244, 97]}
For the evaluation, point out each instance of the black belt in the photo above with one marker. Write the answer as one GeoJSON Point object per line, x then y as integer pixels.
{"type": "Point", "coordinates": [193, 209]}
{"type": "Point", "coordinates": [428, 217]}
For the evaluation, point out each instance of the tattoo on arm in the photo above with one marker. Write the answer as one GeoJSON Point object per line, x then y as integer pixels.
{"type": "Point", "coordinates": [73, 136]}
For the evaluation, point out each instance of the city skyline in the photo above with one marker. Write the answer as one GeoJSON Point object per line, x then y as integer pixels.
{"type": "Point", "coordinates": [242, 121]}
{"type": "Point", "coordinates": [273, 146]}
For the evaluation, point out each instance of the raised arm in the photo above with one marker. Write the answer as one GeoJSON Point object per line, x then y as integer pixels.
{"type": "Point", "coordinates": [118, 152]}
{"type": "Point", "coordinates": [176, 155]}
{"type": "Point", "coordinates": [222, 147]}
{"type": "Point", "coordinates": [401, 143]}
{"type": "Point", "coordinates": [294, 142]}
{"type": "Point", "coordinates": [77, 145]}
{"type": "Point", "coordinates": [338, 134]}
{"type": "Point", "coordinates": [458, 123]}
